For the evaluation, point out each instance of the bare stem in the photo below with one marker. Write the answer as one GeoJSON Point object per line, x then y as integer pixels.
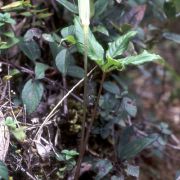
{"type": "Point", "coordinates": [86, 29]}
{"type": "Point", "coordinates": [85, 139]}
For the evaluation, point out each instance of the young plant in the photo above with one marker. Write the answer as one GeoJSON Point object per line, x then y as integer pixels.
{"type": "Point", "coordinates": [108, 60]}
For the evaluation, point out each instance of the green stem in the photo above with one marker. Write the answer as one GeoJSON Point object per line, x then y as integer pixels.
{"type": "Point", "coordinates": [86, 31]}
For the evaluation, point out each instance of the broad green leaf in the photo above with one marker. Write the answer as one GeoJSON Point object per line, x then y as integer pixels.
{"type": "Point", "coordinates": [70, 6]}
{"type": "Point", "coordinates": [170, 9]}
{"type": "Point", "coordinates": [70, 30]}
{"type": "Point", "coordinates": [129, 106]}
{"type": "Point", "coordinates": [95, 50]}
{"type": "Point", "coordinates": [3, 171]}
{"type": "Point", "coordinates": [112, 64]}
{"type": "Point", "coordinates": [117, 47]}
{"type": "Point", "coordinates": [40, 69]}
{"type": "Point", "coordinates": [140, 59]}
{"type": "Point", "coordinates": [32, 94]}
{"type": "Point", "coordinates": [75, 71]}
{"type": "Point", "coordinates": [103, 168]}
{"type": "Point", "coordinates": [101, 29]}
{"type": "Point", "coordinates": [31, 33]}
{"type": "Point", "coordinates": [30, 49]}
{"type": "Point", "coordinates": [111, 87]}
{"type": "Point", "coordinates": [134, 147]}
{"type": "Point", "coordinates": [126, 135]}
{"type": "Point", "coordinates": [62, 61]}
{"type": "Point", "coordinates": [172, 36]}
{"type": "Point", "coordinates": [100, 7]}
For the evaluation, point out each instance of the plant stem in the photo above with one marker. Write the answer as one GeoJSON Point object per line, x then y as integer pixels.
{"type": "Point", "coordinates": [85, 140]}
{"type": "Point", "coordinates": [94, 114]}
{"type": "Point", "coordinates": [85, 29]}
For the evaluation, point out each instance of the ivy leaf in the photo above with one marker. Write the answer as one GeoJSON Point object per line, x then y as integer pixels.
{"type": "Point", "coordinates": [40, 69]}
{"type": "Point", "coordinates": [3, 171]}
{"type": "Point", "coordinates": [30, 49]}
{"type": "Point", "coordinates": [32, 94]}
{"type": "Point", "coordinates": [117, 47]}
{"type": "Point", "coordinates": [95, 50]}
{"type": "Point", "coordinates": [134, 147]}
{"type": "Point", "coordinates": [140, 59]}
{"type": "Point", "coordinates": [70, 6]}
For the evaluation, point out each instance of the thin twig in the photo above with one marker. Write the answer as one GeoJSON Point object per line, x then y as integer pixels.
{"type": "Point", "coordinates": [60, 102]}
{"type": "Point", "coordinates": [28, 71]}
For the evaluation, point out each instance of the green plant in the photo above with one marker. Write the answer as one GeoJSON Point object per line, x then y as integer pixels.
{"type": "Point", "coordinates": [68, 158]}
{"type": "Point", "coordinates": [18, 132]}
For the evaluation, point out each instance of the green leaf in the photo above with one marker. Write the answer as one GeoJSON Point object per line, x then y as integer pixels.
{"type": "Point", "coordinates": [69, 154]}
{"type": "Point", "coordinates": [172, 36]}
{"type": "Point", "coordinates": [129, 106]}
{"type": "Point", "coordinates": [75, 71]}
{"type": "Point", "coordinates": [117, 47]}
{"type": "Point", "coordinates": [62, 61]}
{"type": "Point", "coordinates": [6, 18]}
{"type": "Point", "coordinates": [111, 87]}
{"type": "Point", "coordinates": [100, 7]}
{"type": "Point", "coordinates": [101, 29]}
{"type": "Point", "coordinates": [95, 50]}
{"type": "Point", "coordinates": [9, 121]}
{"type": "Point", "coordinates": [132, 170]}
{"type": "Point", "coordinates": [70, 6]}
{"type": "Point", "coordinates": [30, 49]}
{"type": "Point", "coordinates": [140, 59]}
{"type": "Point", "coordinates": [32, 94]}
{"type": "Point", "coordinates": [170, 9]}
{"type": "Point", "coordinates": [40, 69]}
{"type": "Point", "coordinates": [112, 64]}
{"type": "Point", "coordinates": [10, 43]}
{"type": "Point", "coordinates": [3, 171]}
{"type": "Point", "coordinates": [134, 147]}
{"type": "Point", "coordinates": [19, 133]}
{"type": "Point", "coordinates": [68, 31]}
{"type": "Point", "coordinates": [103, 167]}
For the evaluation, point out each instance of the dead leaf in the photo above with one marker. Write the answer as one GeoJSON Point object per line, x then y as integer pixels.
{"type": "Point", "coordinates": [4, 138]}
